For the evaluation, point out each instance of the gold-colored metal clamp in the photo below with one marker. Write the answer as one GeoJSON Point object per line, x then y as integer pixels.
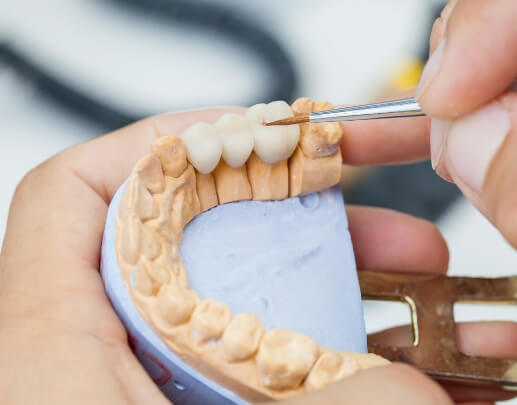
{"type": "Point", "coordinates": [431, 299]}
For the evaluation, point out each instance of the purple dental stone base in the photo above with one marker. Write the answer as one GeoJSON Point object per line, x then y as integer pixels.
{"type": "Point", "coordinates": [290, 262]}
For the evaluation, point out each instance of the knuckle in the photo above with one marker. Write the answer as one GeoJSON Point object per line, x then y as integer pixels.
{"type": "Point", "coordinates": [38, 176]}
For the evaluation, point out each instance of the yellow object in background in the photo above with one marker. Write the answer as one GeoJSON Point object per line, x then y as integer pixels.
{"type": "Point", "coordinates": [407, 75]}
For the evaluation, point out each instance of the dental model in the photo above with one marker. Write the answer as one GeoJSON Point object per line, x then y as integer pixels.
{"type": "Point", "coordinates": [235, 159]}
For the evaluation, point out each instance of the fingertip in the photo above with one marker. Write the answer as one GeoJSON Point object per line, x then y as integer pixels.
{"type": "Point", "coordinates": [386, 240]}
{"type": "Point", "coordinates": [475, 64]}
{"type": "Point", "coordinates": [402, 383]}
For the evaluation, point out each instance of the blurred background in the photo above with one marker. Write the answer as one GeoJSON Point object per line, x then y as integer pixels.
{"type": "Point", "coordinates": [72, 70]}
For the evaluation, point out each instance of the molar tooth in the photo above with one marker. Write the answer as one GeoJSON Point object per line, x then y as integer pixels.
{"type": "Point", "coordinates": [140, 280]}
{"type": "Point", "coordinates": [284, 358]}
{"type": "Point", "coordinates": [137, 194]}
{"type": "Point", "coordinates": [330, 367]}
{"type": "Point", "coordinates": [237, 139]}
{"type": "Point", "coordinates": [150, 172]}
{"type": "Point", "coordinates": [172, 154]}
{"type": "Point", "coordinates": [176, 304]}
{"type": "Point", "coordinates": [130, 239]}
{"type": "Point", "coordinates": [209, 320]}
{"type": "Point", "coordinates": [157, 272]}
{"type": "Point", "coordinates": [242, 336]}
{"type": "Point", "coordinates": [149, 243]}
{"type": "Point", "coordinates": [368, 360]}
{"type": "Point", "coordinates": [276, 143]}
{"type": "Point", "coordinates": [317, 140]}
{"type": "Point", "coordinates": [204, 146]}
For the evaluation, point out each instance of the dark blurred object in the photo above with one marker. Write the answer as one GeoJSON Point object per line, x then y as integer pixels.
{"type": "Point", "coordinates": [281, 82]}
{"type": "Point", "coordinates": [414, 189]}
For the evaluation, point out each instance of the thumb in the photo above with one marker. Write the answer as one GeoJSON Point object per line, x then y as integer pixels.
{"type": "Point", "coordinates": [388, 385]}
{"type": "Point", "coordinates": [479, 153]}
{"type": "Point", "coordinates": [474, 57]}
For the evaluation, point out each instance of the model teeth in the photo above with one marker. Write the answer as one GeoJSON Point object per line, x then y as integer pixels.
{"type": "Point", "coordinates": [209, 320]}
{"type": "Point", "coordinates": [276, 143]}
{"type": "Point", "coordinates": [285, 358]}
{"type": "Point", "coordinates": [172, 154]}
{"type": "Point", "coordinates": [175, 304]}
{"type": "Point", "coordinates": [237, 139]}
{"type": "Point", "coordinates": [242, 337]}
{"type": "Point", "coordinates": [330, 367]}
{"type": "Point", "coordinates": [164, 193]}
{"type": "Point", "coordinates": [204, 146]}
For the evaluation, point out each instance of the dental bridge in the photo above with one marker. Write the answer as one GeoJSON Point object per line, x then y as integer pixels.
{"type": "Point", "coordinates": [235, 159]}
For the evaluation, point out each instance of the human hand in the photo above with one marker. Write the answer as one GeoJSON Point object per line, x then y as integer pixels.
{"type": "Point", "coordinates": [467, 88]}
{"type": "Point", "coordinates": [60, 340]}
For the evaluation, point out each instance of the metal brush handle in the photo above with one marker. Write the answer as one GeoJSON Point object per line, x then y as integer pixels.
{"type": "Point", "coordinates": [407, 107]}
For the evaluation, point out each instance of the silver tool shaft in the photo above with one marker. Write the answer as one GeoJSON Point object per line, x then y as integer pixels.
{"type": "Point", "coordinates": [407, 107]}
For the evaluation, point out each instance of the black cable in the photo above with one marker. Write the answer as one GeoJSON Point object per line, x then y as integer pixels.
{"type": "Point", "coordinates": [64, 95]}
{"type": "Point", "coordinates": [282, 80]}
{"type": "Point", "coordinates": [280, 85]}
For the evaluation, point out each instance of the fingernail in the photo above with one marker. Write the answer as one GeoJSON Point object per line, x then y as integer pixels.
{"type": "Point", "coordinates": [431, 68]}
{"type": "Point", "coordinates": [473, 141]}
{"type": "Point", "coordinates": [438, 131]}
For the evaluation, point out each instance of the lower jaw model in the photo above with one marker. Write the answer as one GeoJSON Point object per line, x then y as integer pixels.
{"type": "Point", "coordinates": [277, 253]}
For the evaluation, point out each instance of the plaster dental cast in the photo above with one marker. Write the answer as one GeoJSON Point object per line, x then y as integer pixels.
{"type": "Point", "coordinates": [238, 159]}
{"type": "Point", "coordinates": [61, 342]}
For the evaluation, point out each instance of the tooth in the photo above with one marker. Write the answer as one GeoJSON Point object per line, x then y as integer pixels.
{"type": "Point", "coordinates": [170, 263]}
{"type": "Point", "coordinates": [268, 182]}
{"type": "Point", "coordinates": [276, 143]}
{"type": "Point", "coordinates": [307, 175]}
{"type": "Point", "coordinates": [209, 320]}
{"type": "Point", "coordinates": [206, 192]}
{"type": "Point", "coordinates": [284, 358]}
{"type": "Point", "coordinates": [140, 281]}
{"type": "Point", "coordinates": [330, 367]}
{"type": "Point", "coordinates": [242, 336]}
{"type": "Point", "coordinates": [231, 184]}
{"type": "Point", "coordinates": [237, 139]}
{"type": "Point", "coordinates": [150, 172]}
{"type": "Point", "coordinates": [204, 146]}
{"type": "Point", "coordinates": [138, 197]}
{"type": "Point", "coordinates": [368, 360]}
{"type": "Point", "coordinates": [172, 154]}
{"type": "Point", "coordinates": [176, 304]}
{"type": "Point", "coordinates": [186, 201]}
{"type": "Point", "coordinates": [178, 204]}
{"type": "Point", "coordinates": [149, 244]}
{"type": "Point", "coordinates": [130, 239]}
{"type": "Point", "coordinates": [157, 272]}
{"type": "Point", "coordinates": [317, 140]}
